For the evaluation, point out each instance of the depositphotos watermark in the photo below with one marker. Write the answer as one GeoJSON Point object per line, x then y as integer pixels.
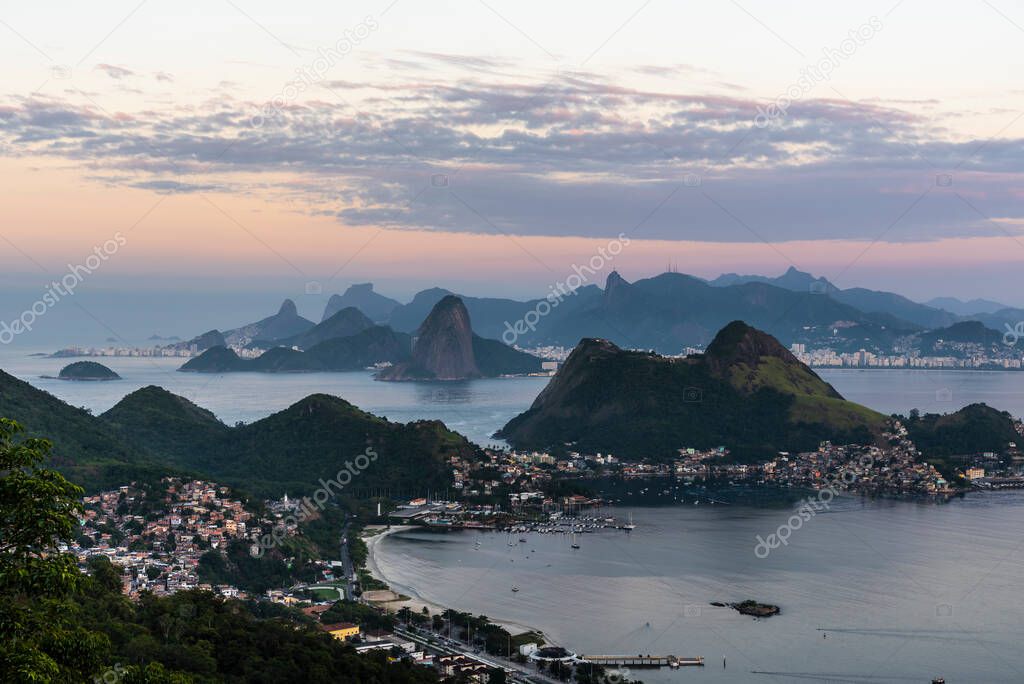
{"type": "Point", "coordinates": [315, 72]}
{"type": "Point", "coordinates": [1013, 334]}
{"type": "Point", "coordinates": [809, 508]}
{"type": "Point", "coordinates": [813, 74]}
{"type": "Point", "coordinates": [111, 676]}
{"type": "Point", "coordinates": [559, 291]}
{"type": "Point", "coordinates": [58, 289]}
{"type": "Point", "coordinates": [309, 505]}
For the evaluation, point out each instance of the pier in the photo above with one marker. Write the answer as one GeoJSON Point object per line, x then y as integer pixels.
{"type": "Point", "coordinates": [644, 661]}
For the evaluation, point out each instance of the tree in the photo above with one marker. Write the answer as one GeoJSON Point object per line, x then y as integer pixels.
{"type": "Point", "coordinates": [38, 509]}
{"type": "Point", "coordinates": [59, 625]}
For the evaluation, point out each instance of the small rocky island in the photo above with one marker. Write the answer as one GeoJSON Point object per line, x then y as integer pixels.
{"type": "Point", "coordinates": [87, 370]}
{"type": "Point", "coordinates": [752, 608]}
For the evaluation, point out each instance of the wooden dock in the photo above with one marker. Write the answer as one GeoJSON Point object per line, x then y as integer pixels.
{"type": "Point", "coordinates": [644, 660]}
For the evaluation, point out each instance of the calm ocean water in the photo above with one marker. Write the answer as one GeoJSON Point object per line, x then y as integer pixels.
{"type": "Point", "coordinates": [475, 408]}
{"type": "Point", "coordinates": [904, 591]}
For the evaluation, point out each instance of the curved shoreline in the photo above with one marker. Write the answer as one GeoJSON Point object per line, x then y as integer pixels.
{"type": "Point", "coordinates": [417, 602]}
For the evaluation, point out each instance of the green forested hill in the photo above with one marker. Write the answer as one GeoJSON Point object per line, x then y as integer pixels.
{"type": "Point", "coordinates": [85, 448]}
{"type": "Point", "coordinates": [152, 432]}
{"type": "Point", "coordinates": [747, 393]}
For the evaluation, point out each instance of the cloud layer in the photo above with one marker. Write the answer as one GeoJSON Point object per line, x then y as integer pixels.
{"type": "Point", "coordinates": [569, 154]}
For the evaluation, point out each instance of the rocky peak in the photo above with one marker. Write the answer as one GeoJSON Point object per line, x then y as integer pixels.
{"type": "Point", "coordinates": [444, 343]}
{"type": "Point", "coordinates": [359, 288]}
{"type": "Point", "coordinates": [616, 290]}
{"type": "Point", "coordinates": [288, 308]}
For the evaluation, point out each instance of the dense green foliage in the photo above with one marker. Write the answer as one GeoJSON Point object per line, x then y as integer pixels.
{"type": "Point", "coordinates": [156, 419]}
{"type": "Point", "coordinates": [85, 449]}
{"type": "Point", "coordinates": [152, 433]}
{"type": "Point", "coordinates": [87, 370]}
{"type": "Point", "coordinates": [58, 625]}
{"type": "Point", "coordinates": [358, 614]}
{"type": "Point", "coordinates": [478, 629]}
{"type": "Point", "coordinates": [236, 566]}
{"type": "Point", "coordinates": [38, 640]}
{"type": "Point", "coordinates": [746, 393]}
{"type": "Point", "coordinates": [203, 638]}
{"type": "Point", "coordinates": [943, 439]}
{"type": "Point", "coordinates": [296, 449]}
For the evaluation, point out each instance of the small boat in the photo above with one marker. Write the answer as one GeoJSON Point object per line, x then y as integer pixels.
{"type": "Point", "coordinates": [522, 540]}
{"type": "Point", "coordinates": [574, 544]}
{"type": "Point", "coordinates": [515, 589]}
{"type": "Point", "coordinates": [629, 527]}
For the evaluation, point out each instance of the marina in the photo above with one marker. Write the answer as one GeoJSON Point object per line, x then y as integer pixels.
{"type": "Point", "coordinates": [650, 591]}
{"type": "Point", "coordinates": [670, 661]}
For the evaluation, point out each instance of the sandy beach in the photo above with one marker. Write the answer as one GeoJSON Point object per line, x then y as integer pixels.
{"type": "Point", "coordinates": [416, 602]}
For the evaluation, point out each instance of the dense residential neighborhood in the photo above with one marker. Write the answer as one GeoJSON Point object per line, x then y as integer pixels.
{"type": "Point", "coordinates": [159, 537]}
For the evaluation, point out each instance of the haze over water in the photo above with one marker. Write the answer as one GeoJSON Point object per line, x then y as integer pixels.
{"type": "Point", "coordinates": [474, 408]}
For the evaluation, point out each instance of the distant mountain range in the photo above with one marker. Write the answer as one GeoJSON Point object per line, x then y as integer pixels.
{"type": "Point", "coordinates": [343, 323]}
{"type": "Point", "coordinates": [868, 301]}
{"type": "Point", "coordinates": [664, 313]}
{"type": "Point", "coordinates": [285, 323]}
{"type": "Point", "coordinates": [374, 345]}
{"type": "Point", "coordinates": [376, 306]}
{"type": "Point", "coordinates": [747, 393]}
{"type": "Point", "coordinates": [968, 308]}
{"type": "Point", "coordinates": [445, 348]}
{"type": "Point", "coordinates": [672, 311]}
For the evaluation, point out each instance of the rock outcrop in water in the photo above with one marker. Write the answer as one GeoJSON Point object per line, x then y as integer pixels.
{"type": "Point", "coordinates": [445, 348]}
{"type": "Point", "coordinates": [87, 370]}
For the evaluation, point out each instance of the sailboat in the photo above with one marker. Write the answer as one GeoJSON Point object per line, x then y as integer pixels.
{"type": "Point", "coordinates": [574, 544]}
{"type": "Point", "coordinates": [630, 526]}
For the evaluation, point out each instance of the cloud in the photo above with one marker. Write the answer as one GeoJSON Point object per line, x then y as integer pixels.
{"type": "Point", "coordinates": [563, 156]}
{"type": "Point", "coordinates": [114, 72]}
{"type": "Point", "coordinates": [171, 187]}
{"type": "Point", "coordinates": [163, 76]}
{"type": "Point", "coordinates": [471, 62]}
{"type": "Point", "coordinates": [670, 70]}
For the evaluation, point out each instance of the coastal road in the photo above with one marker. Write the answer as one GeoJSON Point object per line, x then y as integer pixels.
{"type": "Point", "coordinates": [347, 571]}
{"type": "Point", "coordinates": [518, 673]}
